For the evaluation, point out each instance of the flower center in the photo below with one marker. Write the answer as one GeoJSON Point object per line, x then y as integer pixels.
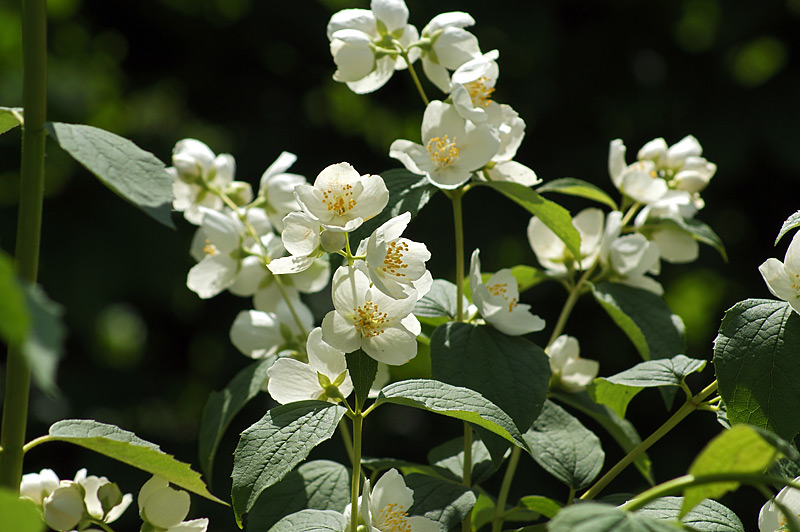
{"type": "Point", "coordinates": [480, 92]}
{"type": "Point", "coordinates": [443, 151]}
{"type": "Point", "coordinates": [368, 320]}
{"type": "Point", "coordinates": [392, 518]}
{"type": "Point", "coordinates": [339, 200]}
{"type": "Point", "coordinates": [393, 261]}
{"type": "Point", "coordinates": [210, 249]}
{"type": "Point", "coordinates": [498, 289]}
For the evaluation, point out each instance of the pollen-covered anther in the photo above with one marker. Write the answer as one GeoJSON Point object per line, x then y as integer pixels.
{"type": "Point", "coordinates": [369, 320]}
{"type": "Point", "coordinates": [512, 304]}
{"type": "Point", "coordinates": [498, 289]}
{"type": "Point", "coordinates": [480, 92]}
{"type": "Point", "coordinates": [393, 519]}
{"type": "Point", "coordinates": [210, 249]}
{"type": "Point", "coordinates": [393, 261]}
{"type": "Point", "coordinates": [339, 200]}
{"type": "Point", "coordinates": [443, 151]}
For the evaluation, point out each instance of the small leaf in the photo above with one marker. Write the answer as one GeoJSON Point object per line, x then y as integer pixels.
{"type": "Point", "coordinates": [738, 450]}
{"type": "Point", "coordinates": [222, 407]}
{"type": "Point", "coordinates": [541, 505]}
{"type": "Point", "coordinates": [692, 227]}
{"type": "Point", "coordinates": [448, 458]}
{"type": "Point", "coordinates": [315, 485]}
{"type": "Point", "coordinates": [128, 448]}
{"type": "Point", "coordinates": [136, 175]}
{"type": "Point", "coordinates": [579, 188]}
{"type": "Point", "coordinates": [362, 369]}
{"type": "Point", "coordinates": [272, 446]}
{"type": "Point", "coordinates": [758, 365]}
{"type": "Point", "coordinates": [43, 347]}
{"type": "Point", "coordinates": [311, 521]}
{"type": "Point", "coordinates": [443, 501]}
{"type": "Point", "coordinates": [708, 516]}
{"type": "Point", "coordinates": [553, 215]}
{"type": "Point", "coordinates": [791, 222]}
{"type": "Point", "coordinates": [19, 515]}
{"type": "Point", "coordinates": [483, 511]}
{"type": "Point", "coordinates": [16, 321]}
{"type": "Point", "coordinates": [439, 304]}
{"type": "Point", "coordinates": [598, 517]}
{"type": "Point", "coordinates": [564, 447]}
{"type": "Point", "coordinates": [452, 401]}
{"type": "Point", "coordinates": [10, 117]}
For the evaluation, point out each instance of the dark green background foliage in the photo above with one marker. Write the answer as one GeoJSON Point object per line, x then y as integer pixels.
{"type": "Point", "coordinates": [253, 78]}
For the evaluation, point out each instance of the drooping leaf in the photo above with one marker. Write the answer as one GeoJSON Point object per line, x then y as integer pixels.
{"type": "Point", "coordinates": [509, 371]}
{"type": "Point", "coordinates": [580, 188]}
{"type": "Point", "coordinates": [708, 516]}
{"type": "Point", "coordinates": [222, 407]}
{"type": "Point", "coordinates": [19, 515]}
{"type": "Point", "coordinates": [311, 521]}
{"type": "Point", "coordinates": [272, 446]}
{"type": "Point", "coordinates": [439, 304]}
{"type": "Point", "coordinates": [692, 227]}
{"type": "Point", "coordinates": [738, 450]}
{"type": "Point", "coordinates": [452, 401]}
{"type": "Point", "coordinates": [541, 505]}
{"type": "Point", "coordinates": [564, 447]}
{"type": "Point", "coordinates": [598, 517]}
{"type": "Point", "coordinates": [553, 215]}
{"type": "Point", "coordinates": [136, 175]}
{"type": "Point", "coordinates": [448, 459]}
{"type": "Point", "coordinates": [758, 365]}
{"type": "Point", "coordinates": [315, 485]}
{"type": "Point", "coordinates": [619, 428]}
{"type": "Point", "coordinates": [16, 321]}
{"type": "Point", "coordinates": [443, 501]}
{"type": "Point", "coordinates": [618, 390]}
{"type": "Point", "coordinates": [126, 447]}
{"type": "Point", "coordinates": [791, 222]}
{"type": "Point", "coordinates": [43, 346]}
{"type": "Point", "coordinates": [362, 369]}
{"type": "Point", "coordinates": [10, 117]}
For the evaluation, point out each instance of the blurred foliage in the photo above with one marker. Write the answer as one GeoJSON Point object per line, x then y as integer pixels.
{"type": "Point", "coordinates": [254, 78]}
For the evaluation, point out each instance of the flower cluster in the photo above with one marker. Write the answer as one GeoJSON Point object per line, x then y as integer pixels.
{"type": "Point", "coordinates": [783, 278]}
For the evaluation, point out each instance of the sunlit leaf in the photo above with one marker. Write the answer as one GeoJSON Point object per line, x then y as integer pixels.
{"type": "Point", "coordinates": [579, 188]}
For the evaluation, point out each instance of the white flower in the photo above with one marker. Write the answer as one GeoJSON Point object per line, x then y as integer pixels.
{"type": "Point", "coordinates": [64, 507]}
{"type": "Point", "coordinates": [364, 44]}
{"type": "Point", "coordinates": [162, 506]}
{"type": "Point", "coordinates": [452, 148]}
{"type": "Point", "coordinates": [674, 245]}
{"type": "Point", "coordinates": [341, 199]}
{"type": "Point", "coordinates": [550, 250]}
{"type": "Point", "coordinates": [260, 334]}
{"type": "Point", "coordinates": [498, 301]}
{"type": "Point", "coordinates": [366, 318]}
{"type": "Point", "coordinates": [770, 518]}
{"type": "Point", "coordinates": [472, 85]}
{"type": "Point", "coordinates": [37, 486]}
{"type": "Point", "coordinates": [630, 257]}
{"type": "Point", "coordinates": [385, 507]}
{"type": "Point", "coordinates": [450, 46]}
{"type": "Point", "coordinates": [276, 189]}
{"type": "Point", "coordinates": [325, 377]}
{"type": "Point", "coordinates": [570, 371]}
{"type": "Point", "coordinates": [394, 264]}
{"type": "Point", "coordinates": [510, 130]}
{"type": "Point", "coordinates": [783, 278]}
{"type": "Point", "coordinates": [103, 499]}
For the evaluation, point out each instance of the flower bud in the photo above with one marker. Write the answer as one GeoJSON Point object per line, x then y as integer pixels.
{"type": "Point", "coordinates": [332, 241]}
{"type": "Point", "coordinates": [37, 486]}
{"type": "Point", "coordinates": [110, 496]}
{"type": "Point", "coordinates": [64, 508]}
{"type": "Point", "coordinates": [240, 192]}
{"type": "Point", "coordinates": [162, 506]}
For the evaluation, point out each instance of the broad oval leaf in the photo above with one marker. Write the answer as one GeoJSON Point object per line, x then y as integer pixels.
{"type": "Point", "coordinates": [541, 505]}
{"type": "Point", "coordinates": [509, 371]}
{"type": "Point", "coordinates": [580, 188]}
{"type": "Point", "coordinates": [553, 215]}
{"type": "Point", "coordinates": [791, 222]}
{"type": "Point", "coordinates": [311, 521]}
{"type": "Point", "coordinates": [128, 448]}
{"type": "Point", "coordinates": [598, 517]}
{"type": "Point", "coordinates": [448, 459]}
{"type": "Point", "coordinates": [564, 447]}
{"type": "Point", "coordinates": [439, 304]}
{"type": "Point", "coordinates": [758, 365]}
{"type": "Point", "coordinates": [43, 347]}
{"type": "Point", "coordinates": [443, 501]}
{"type": "Point", "coordinates": [136, 175]}
{"type": "Point", "coordinates": [19, 515]}
{"type": "Point", "coordinates": [708, 516]}
{"type": "Point", "coordinates": [222, 407]}
{"type": "Point", "coordinates": [315, 485]}
{"type": "Point", "coordinates": [10, 117]}
{"type": "Point", "coordinates": [452, 401]}
{"type": "Point", "coordinates": [272, 446]}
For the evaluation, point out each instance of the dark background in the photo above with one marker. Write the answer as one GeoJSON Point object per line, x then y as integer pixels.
{"type": "Point", "coordinates": [254, 78]}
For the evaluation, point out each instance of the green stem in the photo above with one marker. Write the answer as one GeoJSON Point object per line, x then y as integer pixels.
{"type": "Point", "coordinates": [505, 487]}
{"type": "Point", "coordinates": [34, 97]}
{"type": "Point", "coordinates": [357, 425]}
{"type": "Point", "coordinates": [687, 408]}
{"type": "Point", "coordinates": [569, 305]}
{"type": "Point", "coordinates": [414, 76]}
{"type": "Point", "coordinates": [466, 524]}
{"type": "Point", "coordinates": [458, 222]}
{"type": "Point", "coordinates": [347, 439]}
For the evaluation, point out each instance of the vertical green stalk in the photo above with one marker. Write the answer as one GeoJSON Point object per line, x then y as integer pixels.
{"type": "Point", "coordinates": [34, 98]}
{"type": "Point", "coordinates": [502, 497]}
{"type": "Point", "coordinates": [358, 420]}
{"type": "Point", "coordinates": [414, 77]}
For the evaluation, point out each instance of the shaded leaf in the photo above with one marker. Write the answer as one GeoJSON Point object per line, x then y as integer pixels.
{"type": "Point", "coordinates": [448, 458]}
{"type": "Point", "coordinates": [19, 515]}
{"type": "Point", "coordinates": [692, 227]}
{"type": "Point", "coordinates": [16, 321]}
{"type": "Point", "coordinates": [439, 304]}
{"type": "Point", "coordinates": [311, 521]}
{"type": "Point", "coordinates": [708, 516]}
{"type": "Point", "coordinates": [580, 188]}
{"type": "Point", "coordinates": [440, 500]}
{"type": "Point", "coordinates": [362, 369]}
{"type": "Point", "coordinates": [597, 517]}
{"type": "Point", "coordinates": [10, 117]}
{"type": "Point", "coordinates": [44, 345]}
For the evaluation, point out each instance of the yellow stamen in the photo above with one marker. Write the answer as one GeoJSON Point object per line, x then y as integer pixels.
{"type": "Point", "coordinates": [479, 92]}
{"type": "Point", "coordinates": [392, 518]}
{"type": "Point", "coordinates": [210, 249]}
{"type": "Point", "coordinates": [393, 261]}
{"type": "Point", "coordinates": [339, 199]}
{"type": "Point", "coordinates": [443, 151]}
{"type": "Point", "coordinates": [369, 320]}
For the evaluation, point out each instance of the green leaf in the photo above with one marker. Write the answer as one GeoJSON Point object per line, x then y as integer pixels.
{"type": "Point", "coordinates": [708, 516]}
{"type": "Point", "coordinates": [382, 464]}
{"type": "Point", "coordinates": [16, 320]}
{"type": "Point", "coordinates": [622, 430]}
{"type": "Point", "coordinates": [315, 485]}
{"type": "Point", "coordinates": [564, 447]}
{"type": "Point", "coordinates": [598, 517]}
{"type": "Point", "coordinates": [509, 371]}
{"type": "Point", "coordinates": [10, 117]}
{"type": "Point", "coordinates": [222, 407]}
{"type": "Point", "coordinates": [362, 369]}
{"type": "Point", "coordinates": [644, 318]}
{"type": "Point", "coordinates": [692, 227]}
{"type": "Point", "coordinates": [553, 215]}
{"type": "Point", "coordinates": [272, 446]}
{"type": "Point", "coordinates": [758, 365]}
{"type": "Point", "coordinates": [443, 501]}
{"type": "Point", "coordinates": [126, 447]}
{"type": "Point", "coordinates": [541, 505]}
{"type": "Point", "coordinates": [738, 450]}
{"type": "Point", "coordinates": [407, 192]}
{"type": "Point", "coordinates": [448, 459]}
{"type": "Point", "coordinates": [791, 222]}
{"type": "Point", "coordinates": [136, 175]}
{"type": "Point", "coordinates": [311, 521]}
{"type": "Point", "coordinates": [19, 515]}
{"type": "Point", "coordinates": [452, 401]}
{"type": "Point", "coordinates": [618, 390]}
{"type": "Point", "coordinates": [43, 347]}
{"type": "Point", "coordinates": [483, 511]}
{"type": "Point", "coordinates": [439, 304]}
{"type": "Point", "coordinates": [579, 188]}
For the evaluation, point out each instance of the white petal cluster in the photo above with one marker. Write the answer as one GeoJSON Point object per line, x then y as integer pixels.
{"type": "Point", "coordinates": [674, 245]}
{"type": "Point", "coordinates": [630, 257]}
{"type": "Point", "coordinates": [259, 334]}
{"type": "Point", "coordinates": [783, 278]}
{"type": "Point", "coordinates": [550, 250]}
{"type": "Point", "coordinates": [447, 46]}
{"type": "Point", "coordinates": [165, 508]}
{"type": "Point", "coordinates": [276, 189]}
{"type": "Point", "coordinates": [771, 519]}
{"type": "Point", "coordinates": [498, 301]}
{"type": "Point", "coordinates": [569, 370]}
{"type": "Point", "coordinates": [384, 508]}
